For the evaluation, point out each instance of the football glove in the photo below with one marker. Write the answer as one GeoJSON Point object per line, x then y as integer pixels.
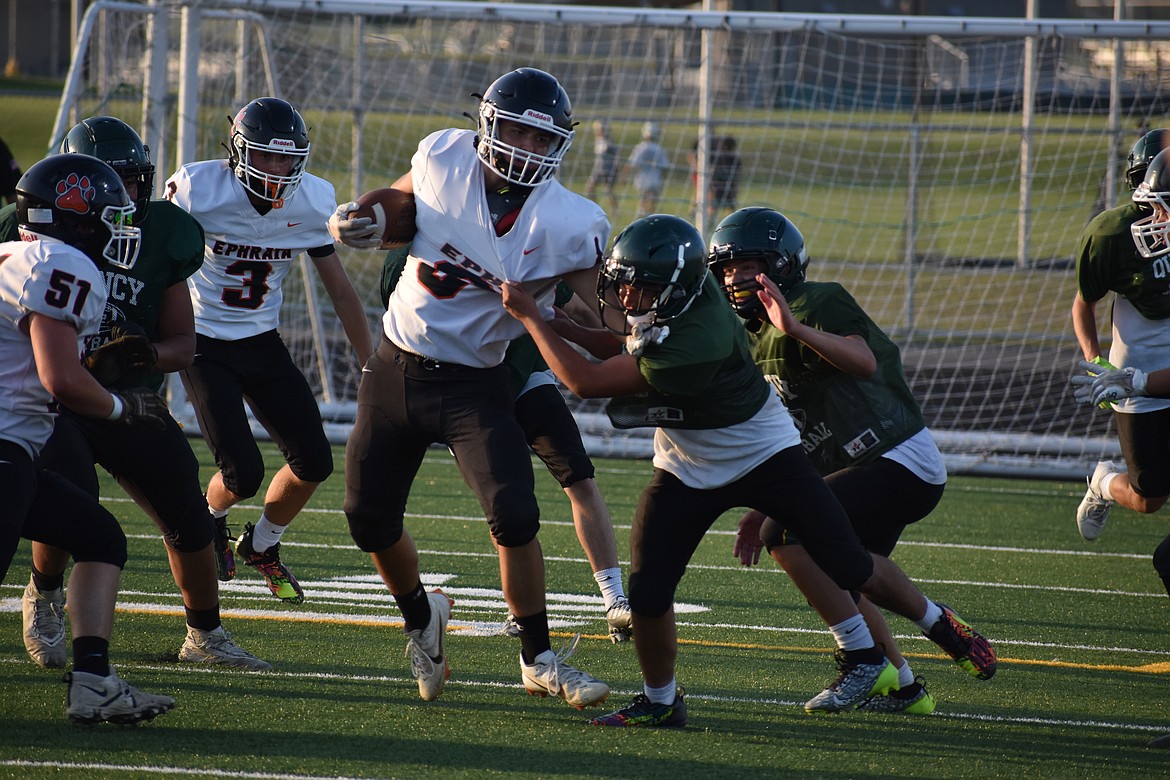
{"type": "Point", "coordinates": [1108, 385]}
{"type": "Point", "coordinates": [359, 233]}
{"type": "Point", "coordinates": [642, 335]}
{"type": "Point", "coordinates": [140, 405]}
{"type": "Point", "coordinates": [128, 351]}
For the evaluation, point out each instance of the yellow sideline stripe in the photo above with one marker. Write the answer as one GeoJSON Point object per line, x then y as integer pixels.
{"type": "Point", "coordinates": [1162, 667]}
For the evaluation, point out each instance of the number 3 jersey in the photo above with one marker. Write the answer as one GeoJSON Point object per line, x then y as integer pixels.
{"type": "Point", "coordinates": [52, 279]}
{"type": "Point", "coordinates": [447, 304]}
{"type": "Point", "coordinates": [237, 292]}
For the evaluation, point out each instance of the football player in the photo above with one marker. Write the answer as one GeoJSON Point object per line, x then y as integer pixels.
{"type": "Point", "coordinates": [723, 440]}
{"type": "Point", "coordinates": [1115, 255]}
{"type": "Point", "coordinates": [1126, 250]}
{"type": "Point", "coordinates": [841, 378]}
{"type": "Point", "coordinates": [259, 210]}
{"type": "Point", "coordinates": [75, 221]}
{"type": "Point", "coordinates": [489, 209]}
{"type": "Point", "coordinates": [146, 331]}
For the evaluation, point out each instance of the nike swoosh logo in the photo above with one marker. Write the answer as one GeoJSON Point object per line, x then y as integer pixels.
{"type": "Point", "coordinates": [527, 252]}
{"type": "Point", "coordinates": [293, 224]}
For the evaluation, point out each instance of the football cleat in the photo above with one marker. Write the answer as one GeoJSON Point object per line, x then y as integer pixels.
{"type": "Point", "coordinates": [914, 699]}
{"type": "Point", "coordinates": [280, 580]}
{"type": "Point", "coordinates": [510, 627]}
{"type": "Point", "coordinates": [644, 713]}
{"type": "Point", "coordinates": [92, 699]}
{"type": "Point", "coordinates": [966, 646]}
{"type": "Point", "coordinates": [856, 682]}
{"type": "Point", "coordinates": [1094, 507]}
{"type": "Point", "coordinates": [216, 647]}
{"type": "Point", "coordinates": [426, 648]}
{"type": "Point", "coordinates": [551, 676]}
{"type": "Point", "coordinates": [225, 559]}
{"type": "Point", "coordinates": [44, 626]}
{"type": "Point", "coordinates": [620, 620]}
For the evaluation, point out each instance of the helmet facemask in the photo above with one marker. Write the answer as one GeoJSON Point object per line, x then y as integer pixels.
{"type": "Point", "coordinates": [125, 240]}
{"type": "Point", "coordinates": [517, 165]}
{"type": "Point", "coordinates": [628, 298]}
{"type": "Point", "coordinates": [1151, 235]}
{"type": "Point", "coordinates": [271, 187]}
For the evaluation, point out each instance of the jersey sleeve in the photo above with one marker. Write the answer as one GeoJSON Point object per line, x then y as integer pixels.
{"type": "Point", "coordinates": [1094, 251]}
{"type": "Point", "coordinates": [63, 284]}
{"type": "Point", "coordinates": [185, 243]}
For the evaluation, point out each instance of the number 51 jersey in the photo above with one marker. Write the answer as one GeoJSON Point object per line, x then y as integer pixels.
{"type": "Point", "coordinates": [52, 279]}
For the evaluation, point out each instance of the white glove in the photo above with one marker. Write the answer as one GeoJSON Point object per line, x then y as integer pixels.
{"type": "Point", "coordinates": [359, 233]}
{"type": "Point", "coordinates": [642, 335]}
{"type": "Point", "coordinates": [1105, 385]}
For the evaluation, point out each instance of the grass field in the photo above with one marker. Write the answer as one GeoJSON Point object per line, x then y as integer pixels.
{"type": "Point", "coordinates": [1080, 630]}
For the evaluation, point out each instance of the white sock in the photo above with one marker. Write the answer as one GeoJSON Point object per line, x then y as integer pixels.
{"type": "Point", "coordinates": [663, 695]}
{"type": "Point", "coordinates": [610, 582]}
{"type": "Point", "coordinates": [905, 675]}
{"type": "Point", "coordinates": [265, 534]}
{"type": "Point", "coordinates": [216, 513]}
{"type": "Point", "coordinates": [852, 634]}
{"type": "Point", "coordinates": [1106, 481]}
{"type": "Point", "coordinates": [933, 613]}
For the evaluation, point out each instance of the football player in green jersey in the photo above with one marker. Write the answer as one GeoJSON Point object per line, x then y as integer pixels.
{"type": "Point", "coordinates": [723, 439]}
{"type": "Point", "coordinates": [147, 329]}
{"type": "Point", "coordinates": [1114, 256]}
{"type": "Point", "coordinates": [841, 378]}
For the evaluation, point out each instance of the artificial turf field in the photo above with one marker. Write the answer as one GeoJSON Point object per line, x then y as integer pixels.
{"type": "Point", "coordinates": [1080, 630]}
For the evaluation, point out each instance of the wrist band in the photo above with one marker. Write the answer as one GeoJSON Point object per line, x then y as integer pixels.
{"type": "Point", "coordinates": [117, 412]}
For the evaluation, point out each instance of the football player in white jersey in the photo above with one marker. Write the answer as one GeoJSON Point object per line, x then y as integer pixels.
{"type": "Point", "coordinates": [488, 210]}
{"type": "Point", "coordinates": [75, 219]}
{"type": "Point", "coordinates": [259, 210]}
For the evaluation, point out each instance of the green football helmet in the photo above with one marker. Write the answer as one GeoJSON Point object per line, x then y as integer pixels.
{"type": "Point", "coordinates": [764, 235]}
{"type": "Point", "coordinates": [1151, 234]}
{"type": "Point", "coordinates": [653, 273]}
{"type": "Point", "coordinates": [1144, 150]}
{"type": "Point", "coordinates": [114, 142]}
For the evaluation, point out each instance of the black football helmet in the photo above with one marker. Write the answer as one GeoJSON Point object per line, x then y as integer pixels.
{"type": "Point", "coordinates": [531, 97]}
{"type": "Point", "coordinates": [268, 124]}
{"type": "Point", "coordinates": [653, 273]}
{"type": "Point", "coordinates": [112, 140]}
{"type": "Point", "coordinates": [80, 200]}
{"type": "Point", "coordinates": [1144, 149]}
{"type": "Point", "coordinates": [1151, 235]}
{"type": "Point", "coordinates": [757, 234]}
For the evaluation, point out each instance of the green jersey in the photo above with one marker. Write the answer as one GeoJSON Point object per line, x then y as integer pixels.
{"type": "Point", "coordinates": [1108, 260]}
{"type": "Point", "coordinates": [171, 250]}
{"type": "Point", "coordinates": [702, 373]}
{"type": "Point", "coordinates": [844, 420]}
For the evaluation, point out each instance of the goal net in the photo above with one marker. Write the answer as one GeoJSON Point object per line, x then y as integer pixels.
{"type": "Point", "coordinates": [940, 168]}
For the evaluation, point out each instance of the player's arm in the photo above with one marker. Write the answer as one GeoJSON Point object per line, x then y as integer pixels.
{"type": "Point", "coordinates": [176, 330]}
{"type": "Point", "coordinates": [849, 354]}
{"type": "Point", "coordinates": [347, 304]}
{"type": "Point", "coordinates": [619, 375]}
{"type": "Point", "coordinates": [1084, 320]}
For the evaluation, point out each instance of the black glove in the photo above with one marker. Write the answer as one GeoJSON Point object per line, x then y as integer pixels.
{"type": "Point", "coordinates": [128, 351]}
{"type": "Point", "coordinates": [140, 405]}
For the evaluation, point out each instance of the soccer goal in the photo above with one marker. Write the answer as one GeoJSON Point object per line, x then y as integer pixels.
{"type": "Point", "coordinates": [940, 168]}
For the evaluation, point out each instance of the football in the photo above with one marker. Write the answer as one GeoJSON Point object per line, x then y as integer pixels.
{"type": "Point", "coordinates": [391, 209]}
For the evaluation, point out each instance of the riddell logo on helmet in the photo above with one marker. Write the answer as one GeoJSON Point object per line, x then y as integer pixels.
{"type": "Point", "coordinates": [538, 116]}
{"type": "Point", "coordinates": [74, 193]}
{"type": "Point", "coordinates": [282, 143]}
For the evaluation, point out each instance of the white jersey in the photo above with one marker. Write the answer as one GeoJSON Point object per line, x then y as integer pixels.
{"type": "Point", "coordinates": [53, 279]}
{"type": "Point", "coordinates": [447, 305]}
{"type": "Point", "coordinates": [237, 292]}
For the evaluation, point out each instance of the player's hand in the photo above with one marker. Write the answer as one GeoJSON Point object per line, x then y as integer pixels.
{"type": "Point", "coordinates": [1108, 385]}
{"type": "Point", "coordinates": [518, 302]}
{"type": "Point", "coordinates": [140, 405]}
{"type": "Point", "coordinates": [127, 352]}
{"type": "Point", "coordinates": [747, 539]}
{"type": "Point", "coordinates": [359, 232]}
{"type": "Point", "coordinates": [775, 304]}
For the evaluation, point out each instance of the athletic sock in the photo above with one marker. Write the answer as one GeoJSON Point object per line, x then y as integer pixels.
{"type": "Point", "coordinates": [610, 583]}
{"type": "Point", "coordinates": [930, 617]}
{"type": "Point", "coordinates": [663, 695]}
{"type": "Point", "coordinates": [46, 583]}
{"type": "Point", "coordinates": [533, 635]}
{"type": "Point", "coordinates": [415, 607]}
{"type": "Point", "coordinates": [91, 654]}
{"type": "Point", "coordinates": [266, 534]}
{"type": "Point", "coordinates": [852, 634]}
{"type": "Point", "coordinates": [905, 675]}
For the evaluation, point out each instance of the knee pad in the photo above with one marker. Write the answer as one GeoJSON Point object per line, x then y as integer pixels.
{"type": "Point", "coordinates": [772, 534]}
{"type": "Point", "coordinates": [192, 530]}
{"type": "Point", "coordinates": [371, 533]}
{"type": "Point", "coordinates": [517, 532]}
{"type": "Point", "coordinates": [650, 596]}
{"type": "Point", "coordinates": [316, 467]}
{"type": "Point", "coordinates": [244, 481]}
{"type": "Point", "coordinates": [108, 547]}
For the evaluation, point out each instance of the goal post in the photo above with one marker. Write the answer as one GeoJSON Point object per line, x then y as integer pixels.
{"type": "Point", "coordinates": [940, 168]}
